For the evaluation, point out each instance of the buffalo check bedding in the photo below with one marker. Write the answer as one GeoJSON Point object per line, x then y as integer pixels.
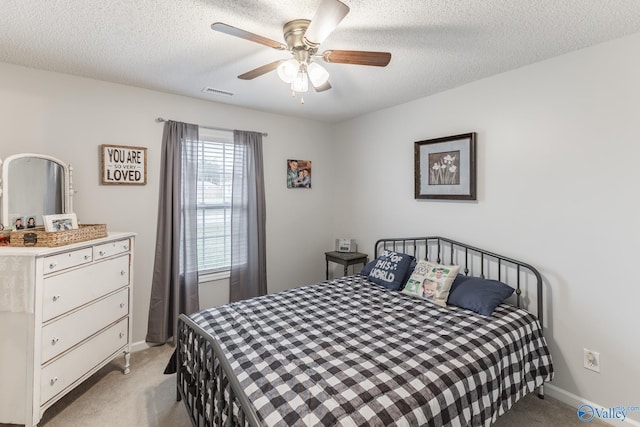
{"type": "Point", "coordinates": [350, 352]}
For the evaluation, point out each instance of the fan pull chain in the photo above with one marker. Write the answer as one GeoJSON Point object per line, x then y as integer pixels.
{"type": "Point", "coordinates": [293, 94]}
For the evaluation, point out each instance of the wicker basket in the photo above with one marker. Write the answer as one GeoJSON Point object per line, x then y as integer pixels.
{"type": "Point", "coordinates": [39, 237]}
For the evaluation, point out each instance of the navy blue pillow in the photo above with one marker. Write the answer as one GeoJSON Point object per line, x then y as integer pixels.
{"type": "Point", "coordinates": [459, 279]}
{"type": "Point", "coordinates": [390, 269]}
{"type": "Point", "coordinates": [367, 268]}
{"type": "Point", "coordinates": [479, 295]}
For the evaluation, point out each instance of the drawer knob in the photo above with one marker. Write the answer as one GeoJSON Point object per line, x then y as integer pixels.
{"type": "Point", "coordinates": [55, 341]}
{"type": "Point", "coordinates": [87, 257]}
{"type": "Point", "coordinates": [121, 334]}
{"type": "Point", "coordinates": [122, 273]}
{"type": "Point", "coordinates": [53, 380]}
{"type": "Point", "coordinates": [102, 253]}
{"type": "Point", "coordinates": [52, 265]}
{"type": "Point", "coordinates": [56, 297]}
{"type": "Point", "coordinates": [121, 305]}
{"type": "Point", "coordinates": [126, 247]}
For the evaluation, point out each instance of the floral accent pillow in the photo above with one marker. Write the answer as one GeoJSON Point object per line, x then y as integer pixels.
{"type": "Point", "coordinates": [431, 281]}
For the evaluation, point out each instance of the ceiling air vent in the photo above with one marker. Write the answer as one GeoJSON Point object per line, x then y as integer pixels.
{"type": "Point", "coordinates": [214, 91]}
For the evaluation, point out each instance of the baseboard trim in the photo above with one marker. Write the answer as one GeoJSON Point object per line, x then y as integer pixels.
{"type": "Point", "coordinates": [577, 401]}
{"type": "Point", "coordinates": [139, 346]}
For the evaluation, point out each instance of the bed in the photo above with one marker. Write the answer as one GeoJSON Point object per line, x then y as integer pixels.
{"type": "Point", "coordinates": [348, 351]}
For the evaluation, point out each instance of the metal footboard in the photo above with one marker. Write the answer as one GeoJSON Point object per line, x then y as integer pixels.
{"type": "Point", "coordinates": [206, 382]}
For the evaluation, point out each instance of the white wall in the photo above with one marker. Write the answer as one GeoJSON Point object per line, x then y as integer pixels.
{"type": "Point", "coordinates": [558, 184]}
{"type": "Point", "coordinates": [69, 117]}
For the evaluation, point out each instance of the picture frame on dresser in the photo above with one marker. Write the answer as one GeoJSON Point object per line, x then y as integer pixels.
{"type": "Point", "coordinates": [17, 222]}
{"type": "Point", "coordinates": [60, 222]}
{"type": "Point", "coordinates": [445, 168]}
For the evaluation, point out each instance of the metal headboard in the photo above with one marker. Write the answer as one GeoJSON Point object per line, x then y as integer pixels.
{"type": "Point", "coordinates": [472, 261]}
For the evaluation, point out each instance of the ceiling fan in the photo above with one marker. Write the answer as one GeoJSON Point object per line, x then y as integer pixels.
{"type": "Point", "coordinates": [303, 38]}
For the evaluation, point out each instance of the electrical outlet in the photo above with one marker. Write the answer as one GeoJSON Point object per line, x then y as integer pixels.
{"type": "Point", "coordinates": [592, 360]}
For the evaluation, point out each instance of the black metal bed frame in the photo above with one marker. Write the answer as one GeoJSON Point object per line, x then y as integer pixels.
{"type": "Point", "coordinates": [206, 382]}
{"type": "Point", "coordinates": [449, 251]}
{"type": "Point", "coordinates": [213, 395]}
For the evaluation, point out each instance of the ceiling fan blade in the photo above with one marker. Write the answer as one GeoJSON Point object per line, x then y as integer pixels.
{"type": "Point", "coordinates": [237, 32]}
{"type": "Point", "coordinates": [358, 57]}
{"type": "Point", "coordinates": [257, 72]}
{"type": "Point", "coordinates": [323, 87]}
{"type": "Point", "coordinates": [326, 19]}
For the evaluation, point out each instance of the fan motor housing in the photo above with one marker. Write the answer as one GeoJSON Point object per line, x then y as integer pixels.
{"type": "Point", "coordinates": [294, 34]}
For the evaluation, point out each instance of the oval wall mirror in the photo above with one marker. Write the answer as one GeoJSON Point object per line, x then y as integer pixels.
{"type": "Point", "coordinates": [33, 185]}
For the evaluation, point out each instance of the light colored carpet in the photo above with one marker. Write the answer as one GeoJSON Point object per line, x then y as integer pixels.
{"type": "Point", "coordinates": [147, 397]}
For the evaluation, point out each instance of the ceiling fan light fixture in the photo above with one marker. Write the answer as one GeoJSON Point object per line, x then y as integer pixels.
{"type": "Point", "coordinates": [301, 82]}
{"type": "Point", "coordinates": [317, 74]}
{"type": "Point", "coordinates": [288, 70]}
{"type": "Point", "coordinates": [303, 38]}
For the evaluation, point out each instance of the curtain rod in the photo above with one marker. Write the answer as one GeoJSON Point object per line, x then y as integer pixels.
{"type": "Point", "coordinates": [160, 120]}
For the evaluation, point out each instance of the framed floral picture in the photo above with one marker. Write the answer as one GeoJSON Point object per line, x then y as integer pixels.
{"type": "Point", "coordinates": [445, 168]}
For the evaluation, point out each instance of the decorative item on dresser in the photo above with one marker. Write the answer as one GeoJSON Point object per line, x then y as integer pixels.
{"type": "Point", "coordinates": [34, 185]}
{"type": "Point", "coordinates": [40, 237]}
{"type": "Point", "coordinates": [64, 314]}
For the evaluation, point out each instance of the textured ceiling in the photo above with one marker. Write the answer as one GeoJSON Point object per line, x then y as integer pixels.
{"type": "Point", "coordinates": [168, 45]}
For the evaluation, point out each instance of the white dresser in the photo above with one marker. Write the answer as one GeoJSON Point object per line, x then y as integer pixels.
{"type": "Point", "coordinates": [64, 314]}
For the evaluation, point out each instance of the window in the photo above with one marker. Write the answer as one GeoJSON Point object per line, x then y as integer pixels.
{"type": "Point", "coordinates": [215, 174]}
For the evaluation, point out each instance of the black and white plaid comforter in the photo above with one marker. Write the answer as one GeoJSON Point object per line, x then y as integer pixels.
{"type": "Point", "coordinates": [349, 352]}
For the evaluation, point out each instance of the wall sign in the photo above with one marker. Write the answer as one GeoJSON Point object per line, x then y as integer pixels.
{"type": "Point", "coordinates": [124, 165]}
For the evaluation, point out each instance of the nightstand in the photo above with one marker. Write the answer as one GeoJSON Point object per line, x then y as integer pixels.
{"type": "Point", "coordinates": [346, 259]}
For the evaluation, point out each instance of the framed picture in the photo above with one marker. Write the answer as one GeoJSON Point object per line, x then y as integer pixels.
{"type": "Point", "coordinates": [60, 222]}
{"type": "Point", "coordinates": [445, 168]}
{"type": "Point", "coordinates": [298, 173]}
{"type": "Point", "coordinates": [123, 165]}
{"type": "Point", "coordinates": [17, 222]}
{"type": "Point", "coordinates": [30, 221]}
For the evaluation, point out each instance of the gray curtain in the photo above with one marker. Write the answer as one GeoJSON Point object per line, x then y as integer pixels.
{"type": "Point", "coordinates": [174, 289]}
{"type": "Point", "coordinates": [248, 218]}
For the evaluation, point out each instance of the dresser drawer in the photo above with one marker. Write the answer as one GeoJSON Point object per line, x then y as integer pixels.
{"type": "Point", "coordinates": [112, 248]}
{"type": "Point", "coordinates": [67, 331]}
{"type": "Point", "coordinates": [63, 372]}
{"type": "Point", "coordinates": [64, 292]}
{"type": "Point", "coordinates": [59, 262]}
